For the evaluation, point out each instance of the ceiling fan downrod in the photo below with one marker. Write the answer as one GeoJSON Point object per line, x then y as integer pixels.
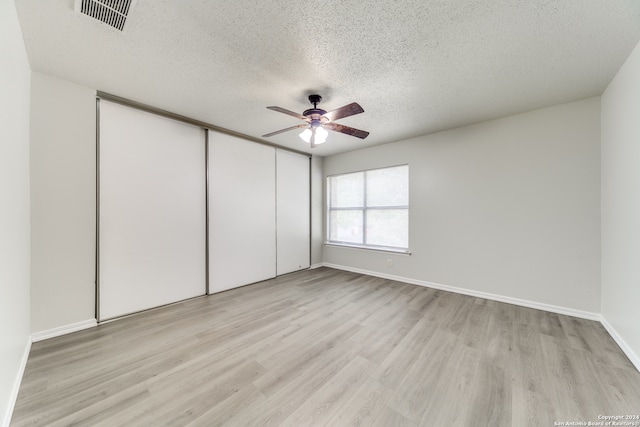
{"type": "Point", "coordinates": [315, 100]}
{"type": "Point", "coordinates": [315, 112]}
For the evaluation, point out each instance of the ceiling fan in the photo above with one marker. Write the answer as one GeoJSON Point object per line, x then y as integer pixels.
{"type": "Point", "coordinates": [318, 120]}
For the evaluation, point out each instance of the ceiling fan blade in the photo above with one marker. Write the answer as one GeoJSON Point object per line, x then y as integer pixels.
{"type": "Point", "coordinates": [346, 111]}
{"type": "Point", "coordinates": [291, 113]}
{"type": "Point", "coordinates": [346, 129]}
{"type": "Point", "coordinates": [284, 130]}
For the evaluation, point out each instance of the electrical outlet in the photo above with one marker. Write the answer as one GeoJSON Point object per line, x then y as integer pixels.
{"type": "Point", "coordinates": [389, 263]}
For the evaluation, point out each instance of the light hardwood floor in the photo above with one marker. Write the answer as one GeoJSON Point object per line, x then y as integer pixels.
{"type": "Point", "coordinates": [327, 347]}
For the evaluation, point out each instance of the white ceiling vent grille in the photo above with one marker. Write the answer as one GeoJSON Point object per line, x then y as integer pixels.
{"type": "Point", "coordinates": [111, 12]}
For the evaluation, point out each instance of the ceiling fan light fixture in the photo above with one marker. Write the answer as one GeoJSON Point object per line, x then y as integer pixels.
{"type": "Point", "coordinates": [321, 134]}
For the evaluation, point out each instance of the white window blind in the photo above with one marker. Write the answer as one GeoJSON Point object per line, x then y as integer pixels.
{"type": "Point", "coordinates": [370, 208]}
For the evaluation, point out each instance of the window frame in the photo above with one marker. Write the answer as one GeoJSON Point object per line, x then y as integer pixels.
{"type": "Point", "coordinates": [364, 209]}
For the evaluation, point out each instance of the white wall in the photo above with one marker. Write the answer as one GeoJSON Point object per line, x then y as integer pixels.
{"type": "Point", "coordinates": [509, 207]}
{"type": "Point", "coordinates": [317, 209]}
{"type": "Point", "coordinates": [63, 180]}
{"type": "Point", "coordinates": [14, 207]}
{"type": "Point", "coordinates": [621, 206]}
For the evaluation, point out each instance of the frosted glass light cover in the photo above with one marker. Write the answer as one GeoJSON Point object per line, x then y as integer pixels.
{"type": "Point", "coordinates": [306, 135]}
{"type": "Point", "coordinates": [321, 135]}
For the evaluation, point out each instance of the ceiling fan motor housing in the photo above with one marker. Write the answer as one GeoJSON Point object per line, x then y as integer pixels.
{"type": "Point", "coordinates": [315, 114]}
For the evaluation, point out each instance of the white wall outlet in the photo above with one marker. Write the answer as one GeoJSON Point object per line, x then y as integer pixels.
{"type": "Point", "coordinates": [389, 263]}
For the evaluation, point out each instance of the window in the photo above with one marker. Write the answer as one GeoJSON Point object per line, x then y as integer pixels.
{"type": "Point", "coordinates": [369, 208]}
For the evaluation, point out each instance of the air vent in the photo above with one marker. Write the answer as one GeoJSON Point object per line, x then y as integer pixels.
{"type": "Point", "coordinates": [111, 12]}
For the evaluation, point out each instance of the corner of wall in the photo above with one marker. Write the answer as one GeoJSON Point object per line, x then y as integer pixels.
{"type": "Point", "coordinates": [628, 351]}
{"type": "Point", "coordinates": [13, 398]}
{"type": "Point", "coordinates": [620, 207]}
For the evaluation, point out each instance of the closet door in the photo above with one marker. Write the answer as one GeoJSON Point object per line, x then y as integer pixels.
{"type": "Point", "coordinates": [151, 211]}
{"type": "Point", "coordinates": [242, 223]}
{"type": "Point", "coordinates": [293, 216]}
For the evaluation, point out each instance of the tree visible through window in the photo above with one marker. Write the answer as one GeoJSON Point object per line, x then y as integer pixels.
{"type": "Point", "coordinates": [370, 208]}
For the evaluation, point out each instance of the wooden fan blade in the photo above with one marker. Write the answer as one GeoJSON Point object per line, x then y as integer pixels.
{"type": "Point", "coordinates": [362, 134]}
{"type": "Point", "coordinates": [284, 130]}
{"type": "Point", "coordinates": [291, 113]}
{"type": "Point", "coordinates": [346, 111]}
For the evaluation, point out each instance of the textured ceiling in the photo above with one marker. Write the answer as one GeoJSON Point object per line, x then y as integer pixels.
{"type": "Point", "coordinates": [415, 66]}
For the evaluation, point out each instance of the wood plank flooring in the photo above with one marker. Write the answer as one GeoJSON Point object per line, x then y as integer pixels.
{"type": "Point", "coordinates": [330, 348]}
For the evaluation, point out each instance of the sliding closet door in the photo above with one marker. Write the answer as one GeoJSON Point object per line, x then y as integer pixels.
{"type": "Point", "coordinates": [293, 221]}
{"type": "Point", "coordinates": [242, 197]}
{"type": "Point", "coordinates": [152, 218]}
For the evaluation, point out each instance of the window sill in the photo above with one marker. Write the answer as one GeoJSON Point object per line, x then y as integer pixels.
{"type": "Point", "coordinates": [369, 248]}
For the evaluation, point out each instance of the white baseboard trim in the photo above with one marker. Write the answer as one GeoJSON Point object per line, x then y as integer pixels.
{"type": "Point", "coordinates": [633, 357]}
{"type": "Point", "coordinates": [494, 297]}
{"type": "Point", "coordinates": [16, 384]}
{"type": "Point", "coordinates": [63, 330]}
{"type": "Point", "coordinates": [314, 266]}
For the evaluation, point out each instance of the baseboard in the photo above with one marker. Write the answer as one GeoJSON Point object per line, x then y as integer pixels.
{"type": "Point", "coordinates": [16, 384]}
{"type": "Point", "coordinates": [633, 357]}
{"type": "Point", "coordinates": [63, 330]}
{"type": "Point", "coordinates": [314, 266]}
{"type": "Point", "coordinates": [494, 297]}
